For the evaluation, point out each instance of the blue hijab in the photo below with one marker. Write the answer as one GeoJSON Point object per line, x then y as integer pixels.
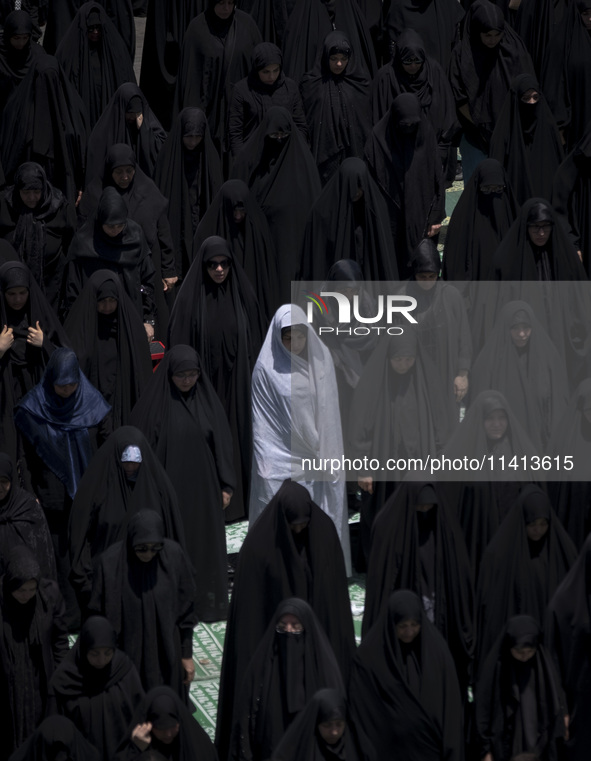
{"type": "Point", "coordinates": [57, 427]}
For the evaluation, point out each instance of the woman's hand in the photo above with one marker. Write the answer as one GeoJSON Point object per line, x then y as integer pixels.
{"type": "Point", "coordinates": [433, 230]}
{"type": "Point", "coordinates": [366, 484]}
{"type": "Point", "coordinates": [226, 497]}
{"type": "Point", "coordinates": [189, 669]}
{"type": "Point", "coordinates": [141, 735]}
{"type": "Point", "coordinates": [168, 283]}
{"type": "Point", "coordinates": [566, 726]}
{"type": "Point", "coordinates": [460, 387]}
{"type": "Point", "coordinates": [35, 336]}
{"type": "Point", "coordinates": [149, 331]}
{"type": "Point", "coordinates": [6, 339]}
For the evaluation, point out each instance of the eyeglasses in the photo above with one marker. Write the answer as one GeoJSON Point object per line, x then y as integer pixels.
{"type": "Point", "coordinates": [149, 547]}
{"type": "Point", "coordinates": [546, 227]}
{"type": "Point", "coordinates": [488, 189]}
{"type": "Point", "coordinates": [224, 264]}
{"type": "Point", "coordinates": [293, 628]}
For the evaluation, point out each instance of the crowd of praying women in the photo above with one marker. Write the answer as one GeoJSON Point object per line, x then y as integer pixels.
{"type": "Point", "coordinates": [160, 378]}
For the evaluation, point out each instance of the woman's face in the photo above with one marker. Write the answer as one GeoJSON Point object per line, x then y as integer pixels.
{"type": "Point", "coordinates": [289, 624]}
{"type": "Point", "coordinates": [530, 96]}
{"type": "Point", "coordinates": [224, 8]}
{"type": "Point", "coordinates": [5, 484]}
{"type": "Point", "coordinates": [123, 176]}
{"type": "Point", "coordinates": [585, 16]}
{"type": "Point", "coordinates": [523, 654]}
{"type": "Point", "coordinates": [130, 468]}
{"type": "Point", "coordinates": [65, 391]}
{"type": "Point", "coordinates": [30, 198]}
{"type": "Point", "coordinates": [218, 268]}
{"type": "Point", "coordinates": [107, 305]}
{"type": "Point", "coordinates": [520, 334]}
{"type": "Point", "coordinates": [491, 38]}
{"type": "Point", "coordinates": [540, 233]}
{"type": "Point", "coordinates": [495, 425]}
{"type": "Point", "coordinates": [337, 63]}
{"type": "Point", "coordinates": [412, 66]}
{"type": "Point", "coordinates": [148, 551]}
{"type": "Point", "coordinates": [25, 592]}
{"type": "Point", "coordinates": [19, 41]}
{"type": "Point", "coordinates": [331, 731]}
{"type": "Point", "coordinates": [99, 657]}
{"type": "Point", "coordinates": [239, 213]}
{"type": "Point", "coordinates": [401, 365]}
{"type": "Point", "coordinates": [192, 141]}
{"type": "Point", "coordinates": [426, 280]}
{"type": "Point", "coordinates": [113, 230]}
{"type": "Point", "coordinates": [16, 298]}
{"type": "Point", "coordinates": [408, 630]}
{"type": "Point", "coordinates": [537, 529]}
{"type": "Point", "coordinates": [166, 736]}
{"type": "Point", "coordinates": [270, 74]}
{"type": "Point", "coordinates": [294, 340]}
{"type": "Point", "coordinates": [186, 379]}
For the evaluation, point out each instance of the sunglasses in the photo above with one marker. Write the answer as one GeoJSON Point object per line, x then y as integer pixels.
{"type": "Point", "coordinates": [224, 264]}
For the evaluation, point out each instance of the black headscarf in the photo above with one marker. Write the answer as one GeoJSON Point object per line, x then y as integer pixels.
{"type": "Point", "coordinates": [339, 227]}
{"type": "Point", "coordinates": [57, 427]}
{"type": "Point", "coordinates": [106, 499]}
{"type": "Point", "coordinates": [274, 564]}
{"type": "Point", "coordinates": [518, 575]}
{"type": "Point", "coordinates": [45, 121]}
{"type": "Point", "coordinates": [14, 63]}
{"type": "Point", "coordinates": [184, 430]}
{"type": "Point", "coordinates": [573, 435]}
{"type": "Point", "coordinates": [33, 641]}
{"type": "Point", "coordinates": [425, 553]}
{"type": "Point", "coordinates": [215, 55]}
{"type": "Point", "coordinates": [286, 670]}
{"type": "Point", "coordinates": [403, 159]}
{"type": "Point", "coordinates": [478, 224]}
{"type": "Point", "coordinates": [526, 141]}
{"type": "Point", "coordinates": [56, 738]}
{"type": "Point", "coordinates": [519, 706]}
{"type": "Point", "coordinates": [480, 76]}
{"type": "Point", "coordinates": [150, 604]}
{"type": "Point", "coordinates": [100, 701]}
{"type": "Point", "coordinates": [112, 128]}
{"type": "Point", "coordinates": [406, 696]}
{"type": "Point", "coordinates": [189, 179]}
{"type": "Point", "coordinates": [336, 106]}
{"type": "Point", "coordinates": [95, 73]}
{"type": "Point", "coordinates": [284, 180]}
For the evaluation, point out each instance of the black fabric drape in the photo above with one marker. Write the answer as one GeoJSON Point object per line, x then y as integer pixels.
{"type": "Point", "coordinates": [101, 701]}
{"type": "Point", "coordinates": [406, 696]}
{"type": "Point", "coordinates": [189, 180]}
{"type": "Point", "coordinates": [56, 736]}
{"type": "Point", "coordinates": [223, 323]}
{"type": "Point", "coordinates": [14, 63]}
{"type": "Point", "coordinates": [286, 670]}
{"type": "Point", "coordinates": [150, 604]}
{"type": "Point", "coordinates": [526, 141]}
{"type": "Point", "coordinates": [95, 71]}
{"type": "Point", "coordinates": [106, 500]}
{"type": "Point", "coordinates": [191, 437]}
{"type": "Point", "coordinates": [276, 563]}
{"type": "Point", "coordinates": [284, 179]}
{"type": "Point", "coordinates": [45, 121]}
{"type": "Point", "coordinates": [517, 575]}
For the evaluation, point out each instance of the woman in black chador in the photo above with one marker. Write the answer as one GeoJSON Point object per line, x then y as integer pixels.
{"type": "Point", "coordinates": [215, 55]}
{"type": "Point", "coordinates": [94, 57]}
{"type": "Point", "coordinates": [291, 663]}
{"type": "Point", "coordinates": [568, 629]}
{"type": "Point", "coordinates": [525, 561]}
{"type": "Point", "coordinates": [266, 85]}
{"type": "Point", "coordinates": [404, 160]}
{"type": "Point", "coordinates": [235, 215]}
{"type": "Point", "coordinates": [22, 521]}
{"type": "Point", "coordinates": [56, 737]}
{"type": "Point", "coordinates": [39, 222]}
{"type": "Point", "coordinates": [293, 549]}
{"type": "Point", "coordinates": [123, 477]}
{"type": "Point", "coordinates": [404, 690]}
{"type": "Point", "coordinates": [144, 586]}
{"type": "Point", "coordinates": [335, 94]}
{"type": "Point", "coordinates": [520, 706]}
{"type": "Point", "coordinates": [184, 421]}
{"type": "Point", "coordinates": [526, 140]}
{"type": "Point", "coordinates": [349, 221]}
{"type": "Point", "coordinates": [189, 174]}
{"type": "Point", "coordinates": [17, 53]}
{"type": "Point", "coordinates": [33, 641]}
{"type": "Point", "coordinates": [216, 312]}
{"type": "Point", "coordinates": [97, 686]}
{"type": "Point", "coordinates": [280, 171]}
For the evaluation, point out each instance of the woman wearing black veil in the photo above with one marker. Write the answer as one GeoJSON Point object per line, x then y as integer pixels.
{"type": "Point", "coordinates": [94, 57]}
{"type": "Point", "coordinates": [524, 563]}
{"type": "Point", "coordinates": [404, 160]}
{"type": "Point", "coordinates": [520, 705]}
{"type": "Point", "coordinates": [97, 686]}
{"type": "Point", "coordinates": [266, 85]}
{"type": "Point", "coordinates": [183, 419]}
{"type": "Point", "coordinates": [189, 174]}
{"type": "Point", "coordinates": [56, 737]}
{"type": "Point", "coordinates": [144, 585]}
{"type": "Point", "coordinates": [217, 313]}
{"type": "Point", "coordinates": [33, 641]}
{"type": "Point", "coordinates": [235, 215]}
{"type": "Point", "coordinates": [292, 550]}
{"type": "Point", "coordinates": [291, 663]}
{"type": "Point", "coordinates": [280, 171]}
{"type": "Point", "coordinates": [335, 94]}
{"type": "Point", "coordinates": [526, 140]}
{"type": "Point", "coordinates": [123, 477]}
{"type": "Point", "coordinates": [404, 690]}
{"type": "Point", "coordinates": [39, 222]}
{"type": "Point", "coordinates": [16, 55]}
{"type": "Point", "coordinates": [215, 55]}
